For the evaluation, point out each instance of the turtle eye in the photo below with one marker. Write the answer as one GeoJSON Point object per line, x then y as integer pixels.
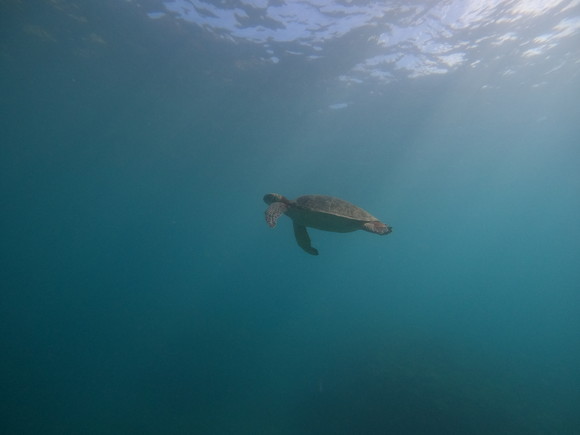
{"type": "Point", "coordinates": [269, 198]}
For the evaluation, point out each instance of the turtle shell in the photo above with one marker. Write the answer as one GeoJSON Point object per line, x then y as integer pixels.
{"type": "Point", "coordinates": [333, 206]}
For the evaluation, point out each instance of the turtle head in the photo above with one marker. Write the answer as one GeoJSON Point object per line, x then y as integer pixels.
{"type": "Point", "coordinates": [274, 197]}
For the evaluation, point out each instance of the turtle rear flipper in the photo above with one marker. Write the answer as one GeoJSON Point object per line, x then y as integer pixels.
{"type": "Point", "coordinates": [377, 228]}
{"type": "Point", "coordinates": [303, 239]}
{"type": "Point", "coordinates": [273, 212]}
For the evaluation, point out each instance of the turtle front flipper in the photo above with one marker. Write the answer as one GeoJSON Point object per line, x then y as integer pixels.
{"type": "Point", "coordinates": [303, 239]}
{"type": "Point", "coordinates": [273, 212]}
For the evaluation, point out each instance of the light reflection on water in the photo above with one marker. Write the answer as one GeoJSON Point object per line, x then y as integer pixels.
{"type": "Point", "coordinates": [409, 40]}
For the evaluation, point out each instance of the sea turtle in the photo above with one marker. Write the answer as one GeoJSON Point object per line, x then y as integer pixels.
{"type": "Point", "coordinates": [321, 212]}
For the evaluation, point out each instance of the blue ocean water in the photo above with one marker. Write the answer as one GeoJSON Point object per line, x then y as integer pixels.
{"type": "Point", "coordinates": [142, 291]}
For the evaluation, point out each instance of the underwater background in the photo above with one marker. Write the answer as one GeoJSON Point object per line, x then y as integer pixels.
{"type": "Point", "coordinates": [142, 291]}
